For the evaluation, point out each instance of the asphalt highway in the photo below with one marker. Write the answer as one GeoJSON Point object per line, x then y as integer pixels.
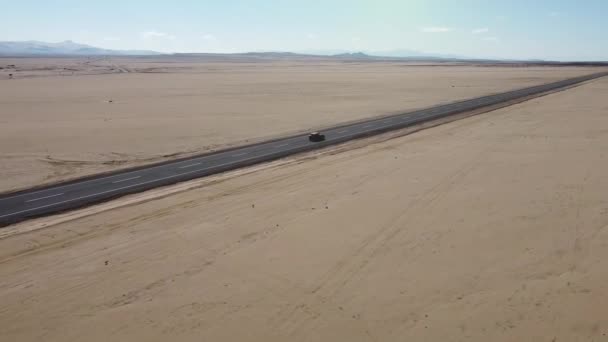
{"type": "Point", "coordinates": [71, 195]}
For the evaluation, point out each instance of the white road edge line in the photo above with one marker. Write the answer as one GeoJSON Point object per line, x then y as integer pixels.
{"type": "Point", "coordinates": [190, 165]}
{"type": "Point", "coordinates": [239, 154]}
{"type": "Point", "coordinates": [45, 197]}
{"type": "Point", "coordinates": [126, 179]}
{"type": "Point", "coordinates": [25, 194]}
{"type": "Point", "coordinates": [126, 187]}
{"type": "Point", "coordinates": [60, 187]}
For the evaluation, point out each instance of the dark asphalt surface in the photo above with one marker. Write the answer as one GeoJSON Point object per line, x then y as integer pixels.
{"type": "Point", "coordinates": [38, 202]}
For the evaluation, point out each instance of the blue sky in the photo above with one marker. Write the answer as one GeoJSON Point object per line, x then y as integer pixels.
{"type": "Point", "coordinates": [559, 29]}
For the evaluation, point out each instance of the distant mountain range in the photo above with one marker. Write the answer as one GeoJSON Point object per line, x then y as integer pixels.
{"type": "Point", "coordinates": [385, 53]}
{"type": "Point", "coordinates": [70, 48]}
{"type": "Point", "coordinates": [66, 48]}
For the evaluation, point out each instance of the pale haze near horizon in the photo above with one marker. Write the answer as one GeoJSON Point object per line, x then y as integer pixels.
{"type": "Point", "coordinates": [559, 30]}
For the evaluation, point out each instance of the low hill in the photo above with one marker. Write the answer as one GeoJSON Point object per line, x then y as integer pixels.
{"type": "Point", "coordinates": [68, 47]}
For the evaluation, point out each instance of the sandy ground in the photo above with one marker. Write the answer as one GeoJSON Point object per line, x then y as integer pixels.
{"type": "Point", "coordinates": [491, 228]}
{"type": "Point", "coordinates": [56, 121]}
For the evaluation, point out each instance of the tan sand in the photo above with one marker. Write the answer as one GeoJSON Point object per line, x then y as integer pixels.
{"type": "Point", "coordinates": [55, 126]}
{"type": "Point", "coordinates": [491, 228]}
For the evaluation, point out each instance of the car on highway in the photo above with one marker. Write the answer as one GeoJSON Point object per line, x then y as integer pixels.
{"type": "Point", "coordinates": [316, 137]}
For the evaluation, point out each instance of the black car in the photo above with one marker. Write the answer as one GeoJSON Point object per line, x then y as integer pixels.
{"type": "Point", "coordinates": [316, 137]}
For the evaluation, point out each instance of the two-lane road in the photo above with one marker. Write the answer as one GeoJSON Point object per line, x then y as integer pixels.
{"type": "Point", "coordinates": [61, 197]}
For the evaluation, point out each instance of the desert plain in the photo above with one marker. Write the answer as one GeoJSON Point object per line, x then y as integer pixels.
{"type": "Point", "coordinates": [65, 118]}
{"type": "Point", "coordinates": [489, 228]}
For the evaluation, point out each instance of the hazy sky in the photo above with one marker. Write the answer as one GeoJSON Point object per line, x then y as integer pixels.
{"type": "Point", "coordinates": [557, 29]}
